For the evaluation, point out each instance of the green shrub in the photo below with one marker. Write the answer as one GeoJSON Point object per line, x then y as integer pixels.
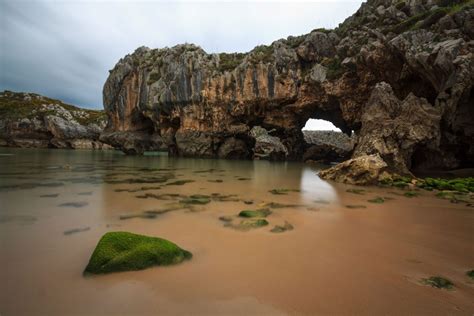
{"type": "Point", "coordinates": [228, 62]}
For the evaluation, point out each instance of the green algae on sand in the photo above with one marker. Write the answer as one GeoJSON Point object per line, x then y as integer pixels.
{"type": "Point", "coordinates": [355, 206]}
{"type": "Point", "coordinates": [124, 251]}
{"type": "Point", "coordinates": [263, 212]}
{"type": "Point", "coordinates": [438, 282]}
{"type": "Point", "coordinates": [377, 200]}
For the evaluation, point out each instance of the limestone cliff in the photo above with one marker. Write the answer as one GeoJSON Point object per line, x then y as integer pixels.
{"type": "Point", "coordinates": [397, 73]}
{"type": "Point", "coordinates": [32, 120]}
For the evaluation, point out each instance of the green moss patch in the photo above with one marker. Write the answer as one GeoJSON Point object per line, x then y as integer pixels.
{"type": "Point", "coordinates": [282, 228]}
{"type": "Point", "coordinates": [411, 194]}
{"type": "Point", "coordinates": [377, 200]}
{"type": "Point", "coordinates": [282, 191]}
{"type": "Point", "coordinates": [196, 200]}
{"type": "Point", "coordinates": [179, 182]}
{"type": "Point", "coordinates": [463, 185]}
{"type": "Point", "coordinates": [263, 212]}
{"type": "Point", "coordinates": [356, 191]}
{"type": "Point", "coordinates": [248, 224]}
{"type": "Point", "coordinates": [355, 206]}
{"type": "Point", "coordinates": [470, 274]}
{"type": "Point", "coordinates": [438, 282]}
{"type": "Point", "coordinates": [279, 205]}
{"type": "Point", "coordinates": [124, 251]}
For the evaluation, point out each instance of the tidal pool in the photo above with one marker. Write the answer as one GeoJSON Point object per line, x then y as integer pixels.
{"type": "Point", "coordinates": [327, 248]}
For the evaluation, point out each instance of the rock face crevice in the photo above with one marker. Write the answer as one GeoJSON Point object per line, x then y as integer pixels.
{"type": "Point", "coordinates": [398, 74]}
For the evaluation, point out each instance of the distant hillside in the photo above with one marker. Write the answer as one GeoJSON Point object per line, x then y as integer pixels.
{"type": "Point", "coordinates": [33, 120]}
{"type": "Point", "coordinates": [18, 105]}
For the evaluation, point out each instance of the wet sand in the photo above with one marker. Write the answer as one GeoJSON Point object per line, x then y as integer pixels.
{"type": "Point", "coordinates": [336, 260]}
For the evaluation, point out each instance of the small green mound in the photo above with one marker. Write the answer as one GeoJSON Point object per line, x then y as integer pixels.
{"type": "Point", "coordinates": [438, 282]}
{"type": "Point", "coordinates": [124, 251]}
{"type": "Point", "coordinates": [470, 274]}
{"type": "Point", "coordinates": [263, 212]}
{"type": "Point", "coordinates": [377, 200]}
{"type": "Point", "coordinates": [282, 229]}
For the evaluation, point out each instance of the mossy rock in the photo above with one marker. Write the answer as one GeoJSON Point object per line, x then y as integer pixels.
{"type": "Point", "coordinates": [124, 251]}
{"type": "Point", "coordinates": [470, 274]}
{"type": "Point", "coordinates": [263, 212]}
{"type": "Point", "coordinates": [438, 282]}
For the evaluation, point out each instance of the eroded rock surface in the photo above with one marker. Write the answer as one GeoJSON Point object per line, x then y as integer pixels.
{"type": "Point", "coordinates": [32, 120]}
{"type": "Point", "coordinates": [363, 170]}
{"type": "Point", "coordinates": [417, 54]}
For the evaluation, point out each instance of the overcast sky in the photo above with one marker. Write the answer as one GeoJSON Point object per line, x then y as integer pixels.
{"type": "Point", "coordinates": [64, 49]}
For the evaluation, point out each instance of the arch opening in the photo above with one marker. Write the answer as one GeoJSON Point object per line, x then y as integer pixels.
{"type": "Point", "coordinates": [325, 142]}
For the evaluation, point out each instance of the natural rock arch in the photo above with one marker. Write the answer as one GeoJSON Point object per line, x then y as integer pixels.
{"type": "Point", "coordinates": [207, 105]}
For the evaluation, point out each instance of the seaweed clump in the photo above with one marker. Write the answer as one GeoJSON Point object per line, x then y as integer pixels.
{"type": "Point", "coordinates": [263, 212]}
{"type": "Point", "coordinates": [124, 251]}
{"type": "Point", "coordinates": [438, 282]}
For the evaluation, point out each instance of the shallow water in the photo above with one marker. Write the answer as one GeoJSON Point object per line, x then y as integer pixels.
{"type": "Point", "coordinates": [368, 259]}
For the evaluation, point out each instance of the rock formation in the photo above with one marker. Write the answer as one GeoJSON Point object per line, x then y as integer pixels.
{"type": "Point", "coordinates": [397, 73]}
{"type": "Point", "coordinates": [327, 146]}
{"type": "Point", "coordinates": [32, 120]}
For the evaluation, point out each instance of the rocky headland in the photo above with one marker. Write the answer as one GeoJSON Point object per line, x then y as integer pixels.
{"type": "Point", "coordinates": [398, 74]}
{"type": "Point", "coordinates": [33, 121]}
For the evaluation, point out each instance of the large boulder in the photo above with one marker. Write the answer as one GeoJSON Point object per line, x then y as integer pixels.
{"type": "Point", "coordinates": [363, 170]}
{"type": "Point", "coordinates": [267, 146]}
{"type": "Point", "coordinates": [123, 251]}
